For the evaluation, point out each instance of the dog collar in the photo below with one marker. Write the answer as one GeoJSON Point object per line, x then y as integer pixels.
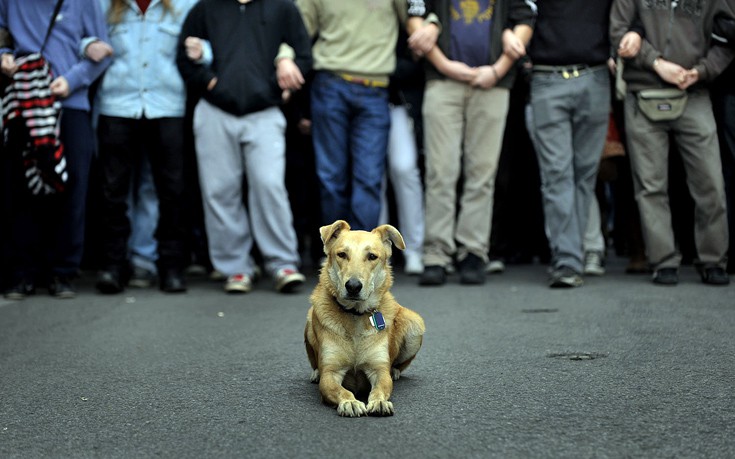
{"type": "Point", "coordinates": [350, 311]}
{"type": "Point", "coordinates": [376, 317]}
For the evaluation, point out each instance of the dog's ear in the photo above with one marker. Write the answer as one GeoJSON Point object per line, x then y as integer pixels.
{"type": "Point", "coordinates": [390, 233]}
{"type": "Point", "coordinates": [330, 232]}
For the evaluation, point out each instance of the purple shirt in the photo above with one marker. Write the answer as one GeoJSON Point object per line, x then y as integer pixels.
{"type": "Point", "coordinates": [28, 21]}
{"type": "Point", "coordinates": [470, 31]}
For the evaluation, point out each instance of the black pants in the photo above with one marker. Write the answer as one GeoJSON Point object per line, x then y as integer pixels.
{"type": "Point", "coordinates": [122, 142]}
{"type": "Point", "coordinates": [46, 235]}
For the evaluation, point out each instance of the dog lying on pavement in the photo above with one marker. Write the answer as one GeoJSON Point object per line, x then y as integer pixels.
{"type": "Point", "coordinates": [358, 338]}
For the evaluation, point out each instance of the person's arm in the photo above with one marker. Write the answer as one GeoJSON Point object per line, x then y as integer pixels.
{"type": "Point", "coordinates": [85, 71]}
{"type": "Point", "coordinates": [290, 71]}
{"type": "Point", "coordinates": [196, 75]}
{"type": "Point", "coordinates": [516, 36]}
{"type": "Point", "coordinates": [718, 57]}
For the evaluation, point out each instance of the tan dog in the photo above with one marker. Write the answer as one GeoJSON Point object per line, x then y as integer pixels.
{"type": "Point", "coordinates": [348, 353]}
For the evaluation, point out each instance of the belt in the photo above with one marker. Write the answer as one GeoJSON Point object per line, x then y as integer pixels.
{"type": "Point", "coordinates": [568, 71]}
{"type": "Point", "coordinates": [363, 81]}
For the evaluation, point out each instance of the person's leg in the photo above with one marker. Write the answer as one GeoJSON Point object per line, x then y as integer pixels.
{"type": "Point", "coordinates": [590, 125]}
{"type": "Point", "coordinates": [330, 126]}
{"type": "Point", "coordinates": [406, 179]}
{"type": "Point", "coordinates": [648, 149]}
{"type": "Point", "coordinates": [593, 242]}
{"type": "Point", "coordinates": [483, 139]}
{"type": "Point", "coordinates": [143, 215]}
{"type": "Point", "coordinates": [550, 127]}
{"type": "Point", "coordinates": [221, 169]}
{"type": "Point", "coordinates": [368, 147]}
{"type": "Point", "coordinates": [120, 147]}
{"type": "Point", "coordinates": [78, 137]}
{"type": "Point", "coordinates": [695, 134]}
{"type": "Point", "coordinates": [443, 112]}
{"type": "Point", "coordinates": [167, 164]}
{"type": "Point", "coordinates": [269, 209]}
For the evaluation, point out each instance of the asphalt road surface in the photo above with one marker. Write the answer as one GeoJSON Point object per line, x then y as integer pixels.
{"type": "Point", "coordinates": [616, 368]}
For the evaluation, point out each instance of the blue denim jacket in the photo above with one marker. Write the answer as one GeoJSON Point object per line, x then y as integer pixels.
{"type": "Point", "coordinates": [143, 79]}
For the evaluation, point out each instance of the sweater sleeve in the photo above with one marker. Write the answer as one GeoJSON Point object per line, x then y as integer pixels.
{"type": "Point", "coordinates": [297, 38]}
{"type": "Point", "coordinates": [85, 71]}
{"type": "Point", "coordinates": [624, 17]}
{"type": "Point", "coordinates": [196, 75]}
{"type": "Point", "coordinates": [718, 57]}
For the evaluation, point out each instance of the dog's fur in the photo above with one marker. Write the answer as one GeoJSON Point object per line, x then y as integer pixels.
{"type": "Point", "coordinates": [347, 354]}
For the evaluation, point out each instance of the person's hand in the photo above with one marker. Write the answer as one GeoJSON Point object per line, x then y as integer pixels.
{"type": "Point", "coordinates": [194, 49]}
{"type": "Point", "coordinates": [8, 66]}
{"type": "Point", "coordinates": [289, 75]}
{"type": "Point", "coordinates": [630, 45]}
{"type": "Point", "coordinates": [612, 65]}
{"type": "Point", "coordinates": [487, 77]}
{"type": "Point", "coordinates": [60, 87]}
{"type": "Point", "coordinates": [670, 72]}
{"type": "Point", "coordinates": [304, 126]}
{"type": "Point", "coordinates": [688, 78]}
{"type": "Point", "coordinates": [98, 50]}
{"type": "Point", "coordinates": [512, 45]}
{"type": "Point", "coordinates": [212, 83]}
{"type": "Point", "coordinates": [423, 39]}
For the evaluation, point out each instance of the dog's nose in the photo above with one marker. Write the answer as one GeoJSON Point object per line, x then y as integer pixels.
{"type": "Point", "coordinates": [353, 286]}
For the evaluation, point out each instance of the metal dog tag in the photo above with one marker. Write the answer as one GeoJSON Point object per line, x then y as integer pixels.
{"type": "Point", "coordinates": [377, 321]}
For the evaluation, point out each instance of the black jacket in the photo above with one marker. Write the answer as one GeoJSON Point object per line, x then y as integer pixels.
{"type": "Point", "coordinates": [245, 39]}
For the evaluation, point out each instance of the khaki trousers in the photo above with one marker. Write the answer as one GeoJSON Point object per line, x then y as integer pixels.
{"type": "Point", "coordinates": [695, 135]}
{"type": "Point", "coordinates": [463, 136]}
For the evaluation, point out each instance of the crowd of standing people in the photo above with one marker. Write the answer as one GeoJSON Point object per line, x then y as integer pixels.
{"type": "Point", "coordinates": [224, 133]}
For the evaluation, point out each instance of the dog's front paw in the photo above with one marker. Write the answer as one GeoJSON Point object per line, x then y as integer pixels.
{"type": "Point", "coordinates": [380, 408]}
{"type": "Point", "coordinates": [352, 409]}
{"type": "Point", "coordinates": [315, 376]}
{"type": "Point", "coordinates": [395, 373]}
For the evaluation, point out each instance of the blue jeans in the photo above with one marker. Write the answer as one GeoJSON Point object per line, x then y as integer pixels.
{"type": "Point", "coordinates": [350, 129]}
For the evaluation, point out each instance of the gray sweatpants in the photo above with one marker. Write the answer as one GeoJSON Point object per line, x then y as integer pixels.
{"type": "Point", "coordinates": [230, 148]}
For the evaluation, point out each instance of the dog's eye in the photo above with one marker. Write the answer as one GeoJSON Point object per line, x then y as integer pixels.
{"type": "Point", "coordinates": [372, 256]}
{"type": "Point", "coordinates": [342, 255]}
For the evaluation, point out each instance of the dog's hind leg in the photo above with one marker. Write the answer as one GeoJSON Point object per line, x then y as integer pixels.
{"type": "Point", "coordinates": [410, 342]}
{"type": "Point", "coordinates": [311, 352]}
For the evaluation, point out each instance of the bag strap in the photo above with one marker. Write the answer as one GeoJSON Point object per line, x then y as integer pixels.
{"type": "Point", "coordinates": [57, 8]}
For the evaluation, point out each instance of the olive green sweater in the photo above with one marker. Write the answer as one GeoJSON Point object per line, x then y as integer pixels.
{"type": "Point", "coordinates": [358, 38]}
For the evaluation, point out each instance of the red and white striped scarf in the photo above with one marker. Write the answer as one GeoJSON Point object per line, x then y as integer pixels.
{"type": "Point", "coordinates": [34, 113]}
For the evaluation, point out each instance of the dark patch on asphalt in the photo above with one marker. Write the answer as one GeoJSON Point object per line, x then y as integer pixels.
{"type": "Point", "coordinates": [538, 311]}
{"type": "Point", "coordinates": [576, 355]}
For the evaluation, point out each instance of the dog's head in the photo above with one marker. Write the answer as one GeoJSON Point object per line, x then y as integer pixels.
{"type": "Point", "coordinates": [357, 267]}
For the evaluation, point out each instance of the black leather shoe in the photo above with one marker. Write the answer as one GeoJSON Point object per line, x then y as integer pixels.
{"type": "Point", "coordinates": [433, 275]}
{"type": "Point", "coordinates": [109, 282]}
{"type": "Point", "coordinates": [61, 287]}
{"type": "Point", "coordinates": [472, 270]}
{"type": "Point", "coordinates": [666, 276]}
{"type": "Point", "coordinates": [714, 275]}
{"type": "Point", "coordinates": [173, 282]}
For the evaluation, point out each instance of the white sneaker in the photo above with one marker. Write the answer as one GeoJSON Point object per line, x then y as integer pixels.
{"type": "Point", "coordinates": [414, 265]}
{"type": "Point", "coordinates": [238, 283]}
{"type": "Point", "coordinates": [495, 266]}
{"type": "Point", "coordinates": [288, 280]}
{"type": "Point", "coordinates": [594, 264]}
